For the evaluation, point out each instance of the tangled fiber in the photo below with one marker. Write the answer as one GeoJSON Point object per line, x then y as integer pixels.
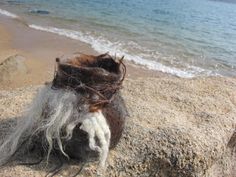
{"type": "Point", "coordinates": [80, 111]}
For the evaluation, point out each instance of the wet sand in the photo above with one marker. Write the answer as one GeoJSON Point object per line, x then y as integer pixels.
{"type": "Point", "coordinates": [199, 112]}
{"type": "Point", "coordinates": [40, 50]}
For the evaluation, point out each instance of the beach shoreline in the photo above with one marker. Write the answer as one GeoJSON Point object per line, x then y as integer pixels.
{"type": "Point", "coordinates": [176, 126]}
{"type": "Point", "coordinates": [41, 48]}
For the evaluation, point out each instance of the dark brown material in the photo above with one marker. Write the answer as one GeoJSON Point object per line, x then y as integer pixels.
{"type": "Point", "coordinates": [115, 113]}
{"type": "Point", "coordinates": [98, 79]}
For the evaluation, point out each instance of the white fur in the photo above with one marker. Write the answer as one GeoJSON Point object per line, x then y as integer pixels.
{"type": "Point", "coordinates": [62, 114]}
{"type": "Point", "coordinates": [96, 126]}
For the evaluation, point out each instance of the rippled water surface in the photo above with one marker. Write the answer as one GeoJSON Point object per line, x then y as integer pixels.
{"type": "Point", "coordinates": [183, 37]}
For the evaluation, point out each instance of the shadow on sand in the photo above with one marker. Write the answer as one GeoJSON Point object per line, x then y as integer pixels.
{"type": "Point", "coordinates": [33, 154]}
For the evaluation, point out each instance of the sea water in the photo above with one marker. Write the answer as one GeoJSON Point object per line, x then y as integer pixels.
{"type": "Point", "coordinates": [186, 38]}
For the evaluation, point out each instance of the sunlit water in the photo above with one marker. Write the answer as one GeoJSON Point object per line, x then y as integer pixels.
{"type": "Point", "coordinates": [183, 37]}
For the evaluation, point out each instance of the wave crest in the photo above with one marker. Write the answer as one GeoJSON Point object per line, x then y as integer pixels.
{"type": "Point", "coordinates": [8, 14]}
{"type": "Point", "coordinates": [102, 45]}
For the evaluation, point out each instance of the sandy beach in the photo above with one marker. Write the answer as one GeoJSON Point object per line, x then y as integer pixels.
{"type": "Point", "coordinates": [40, 50]}
{"type": "Point", "coordinates": [177, 127]}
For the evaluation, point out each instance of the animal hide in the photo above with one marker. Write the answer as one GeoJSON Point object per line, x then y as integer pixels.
{"type": "Point", "coordinates": [80, 112]}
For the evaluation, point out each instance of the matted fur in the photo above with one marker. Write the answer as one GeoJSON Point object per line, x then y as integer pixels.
{"type": "Point", "coordinates": [62, 113]}
{"type": "Point", "coordinates": [56, 113]}
{"type": "Point", "coordinates": [83, 98]}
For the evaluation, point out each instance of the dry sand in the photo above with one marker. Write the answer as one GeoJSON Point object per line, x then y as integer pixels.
{"type": "Point", "coordinates": [39, 50]}
{"type": "Point", "coordinates": [158, 103]}
{"type": "Point", "coordinates": [176, 128]}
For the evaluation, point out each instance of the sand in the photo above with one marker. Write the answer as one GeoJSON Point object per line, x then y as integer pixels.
{"type": "Point", "coordinates": [159, 104]}
{"type": "Point", "coordinates": [34, 74]}
{"type": "Point", "coordinates": [41, 48]}
{"type": "Point", "coordinates": [176, 128]}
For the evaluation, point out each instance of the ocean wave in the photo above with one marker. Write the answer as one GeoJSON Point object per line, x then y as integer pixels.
{"type": "Point", "coordinates": [8, 14]}
{"type": "Point", "coordinates": [103, 45]}
{"type": "Point", "coordinates": [115, 48]}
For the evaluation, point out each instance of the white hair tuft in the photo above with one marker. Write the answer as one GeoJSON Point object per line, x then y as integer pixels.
{"type": "Point", "coordinates": [56, 114]}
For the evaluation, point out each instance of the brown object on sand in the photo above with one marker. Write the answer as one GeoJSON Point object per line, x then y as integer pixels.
{"type": "Point", "coordinates": [98, 79]}
{"type": "Point", "coordinates": [81, 114]}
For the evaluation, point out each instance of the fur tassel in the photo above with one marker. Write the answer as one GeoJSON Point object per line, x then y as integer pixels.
{"type": "Point", "coordinates": [56, 113]}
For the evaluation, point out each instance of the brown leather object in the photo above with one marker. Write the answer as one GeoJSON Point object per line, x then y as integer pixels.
{"type": "Point", "coordinates": [98, 79]}
{"type": "Point", "coordinates": [115, 113]}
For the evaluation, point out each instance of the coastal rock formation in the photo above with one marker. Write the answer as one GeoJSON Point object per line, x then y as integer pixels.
{"type": "Point", "coordinates": [177, 127]}
{"type": "Point", "coordinates": [12, 67]}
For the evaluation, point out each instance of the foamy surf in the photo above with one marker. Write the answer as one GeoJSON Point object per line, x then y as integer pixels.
{"type": "Point", "coordinates": [8, 14]}
{"type": "Point", "coordinates": [102, 45]}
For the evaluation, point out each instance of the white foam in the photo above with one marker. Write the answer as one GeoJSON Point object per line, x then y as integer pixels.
{"type": "Point", "coordinates": [115, 48]}
{"type": "Point", "coordinates": [8, 14]}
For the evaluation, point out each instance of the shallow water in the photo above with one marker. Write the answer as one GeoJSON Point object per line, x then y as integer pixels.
{"type": "Point", "coordinates": [182, 37]}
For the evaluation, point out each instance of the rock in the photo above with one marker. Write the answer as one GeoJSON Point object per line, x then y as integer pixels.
{"type": "Point", "coordinates": [177, 127]}
{"type": "Point", "coordinates": [39, 12]}
{"type": "Point", "coordinates": [12, 67]}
